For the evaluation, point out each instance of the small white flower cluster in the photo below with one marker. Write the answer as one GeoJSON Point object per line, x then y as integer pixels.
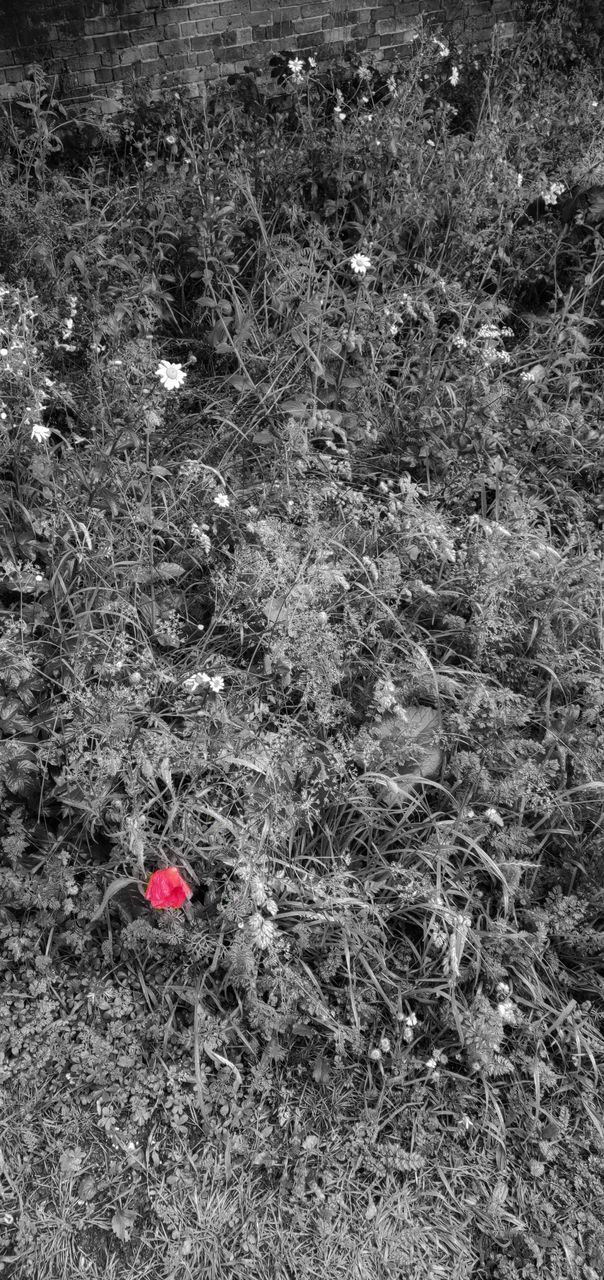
{"type": "Point", "coordinates": [491, 335]}
{"type": "Point", "coordinates": [67, 328]}
{"type": "Point", "coordinates": [384, 695]}
{"type": "Point", "coordinates": [364, 73]}
{"type": "Point", "coordinates": [409, 1023]}
{"type": "Point", "coordinates": [200, 679]}
{"type": "Point", "coordinates": [554, 190]}
{"type": "Point", "coordinates": [442, 47]}
{"type": "Point", "coordinates": [338, 110]}
{"type": "Point", "coordinates": [494, 817]}
{"type": "Point", "coordinates": [454, 77]}
{"type": "Point", "coordinates": [508, 1012]}
{"type": "Point", "coordinates": [439, 1056]}
{"type": "Point", "coordinates": [375, 1055]}
{"type": "Point", "coordinates": [191, 469]}
{"type": "Point", "coordinates": [296, 66]}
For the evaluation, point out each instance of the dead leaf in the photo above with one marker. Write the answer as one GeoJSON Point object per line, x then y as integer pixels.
{"type": "Point", "coordinates": [122, 1223]}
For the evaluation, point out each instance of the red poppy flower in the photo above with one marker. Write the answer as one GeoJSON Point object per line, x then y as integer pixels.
{"type": "Point", "coordinates": [166, 888]}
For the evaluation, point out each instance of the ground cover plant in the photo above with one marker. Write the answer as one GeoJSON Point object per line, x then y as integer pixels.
{"type": "Point", "coordinates": [301, 860]}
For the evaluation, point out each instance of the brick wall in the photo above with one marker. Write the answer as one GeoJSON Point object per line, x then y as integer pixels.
{"type": "Point", "coordinates": [96, 47]}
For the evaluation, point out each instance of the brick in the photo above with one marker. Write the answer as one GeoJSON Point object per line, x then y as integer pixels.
{"type": "Point", "coordinates": [113, 40]}
{"type": "Point", "coordinates": [14, 75]}
{"type": "Point", "coordinates": [228, 8]}
{"type": "Point", "coordinates": [85, 64]}
{"type": "Point", "coordinates": [128, 56]}
{"type": "Point", "coordinates": [200, 42]}
{"type": "Point", "coordinates": [100, 26]}
{"type": "Point", "coordinates": [386, 27]}
{"type": "Point", "coordinates": [208, 9]}
{"type": "Point", "coordinates": [152, 67]}
{"type": "Point", "coordinates": [165, 16]}
{"type": "Point", "coordinates": [137, 21]}
{"type": "Point", "coordinates": [7, 58]}
{"type": "Point", "coordinates": [304, 25]}
{"type": "Point", "coordinates": [176, 61]}
{"type": "Point", "coordinates": [170, 48]}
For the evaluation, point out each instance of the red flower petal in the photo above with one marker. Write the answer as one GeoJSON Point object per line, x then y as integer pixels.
{"type": "Point", "coordinates": [166, 888]}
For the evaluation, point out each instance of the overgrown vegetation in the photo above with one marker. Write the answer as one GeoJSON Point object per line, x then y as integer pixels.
{"type": "Point", "coordinates": [301, 471]}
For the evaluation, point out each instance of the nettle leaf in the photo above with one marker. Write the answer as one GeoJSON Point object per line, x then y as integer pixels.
{"type": "Point", "coordinates": [11, 718]}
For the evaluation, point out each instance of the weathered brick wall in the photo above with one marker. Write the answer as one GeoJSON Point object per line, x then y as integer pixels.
{"type": "Point", "coordinates": [96, 47]}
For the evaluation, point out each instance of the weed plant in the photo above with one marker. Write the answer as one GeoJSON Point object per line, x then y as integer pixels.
{"type": "Point", "coordinates": [301, 391]}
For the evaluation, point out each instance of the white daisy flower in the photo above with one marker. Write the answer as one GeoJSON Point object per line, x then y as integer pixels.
{"type": "Point", "coordinates": [170, 375]}
{"type": "Point", "coordinates": [360, 264]}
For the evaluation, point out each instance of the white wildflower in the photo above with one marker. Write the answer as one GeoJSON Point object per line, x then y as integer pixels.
{"type": "Point", "coordinates": [170, 375]}
{"type": "Point", "coordinates": [385, 1045]}
{"type": "Point", "coordinates": [507, 1012]}
{"type": "Point", "coordinates": [216, 684]}
{"type": "Point", "coordinates": [194, 682]}
{"type": "Point", "coordinates": [454, 77]}
{"type": "Point", "coordinates": [551, 195]}
{"type": "Point", "coordinates": [360, 264]}
{"type": "Point", "coordinates": [493, 816]}
{"type": "Point", "coordinates": [40, 433]}
{"type": "Point", "coordinates": [296, 67]}
{"type": "Point", "coordinates": [221, 500]}
{"type": "Point", "coordinates": [312, 62]}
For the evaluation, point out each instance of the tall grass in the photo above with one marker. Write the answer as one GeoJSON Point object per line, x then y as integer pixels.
{"type": "Point", "coordinates": [301, 467]}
